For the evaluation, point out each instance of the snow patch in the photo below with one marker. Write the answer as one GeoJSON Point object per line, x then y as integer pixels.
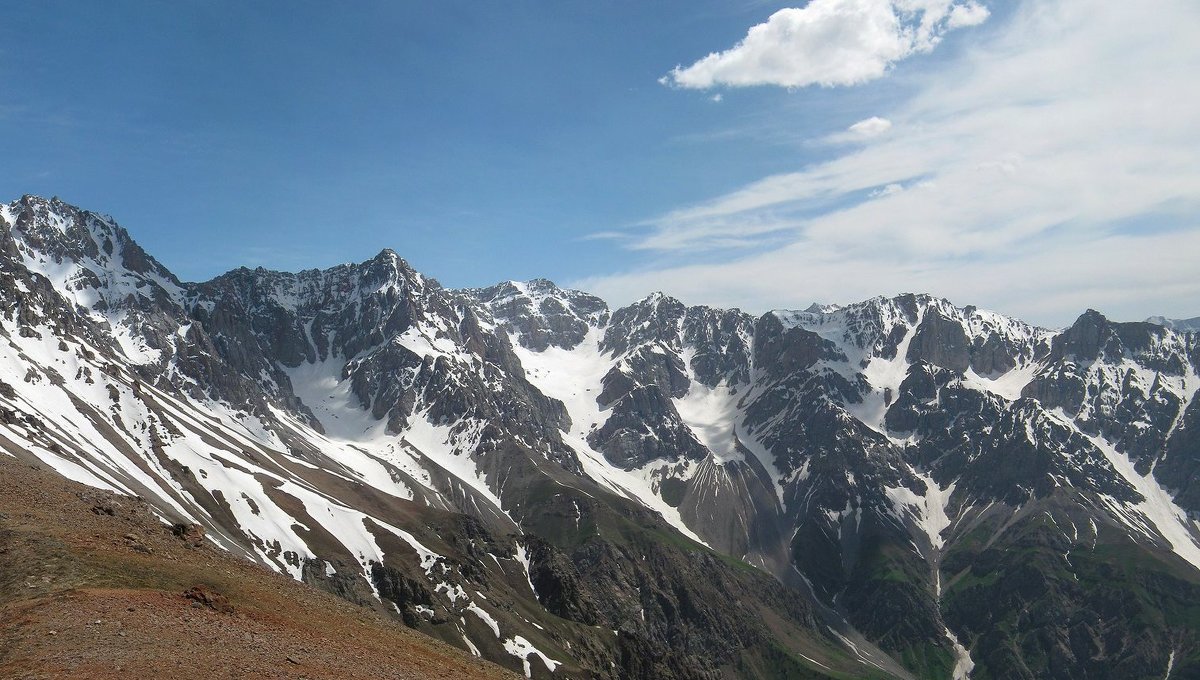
{"type": "Point", "coordinates": [928, 511]}
{"type": "Point", "coordinates": [963, 664]}
{"type": "Point", "coordinates": [711, 414]}
{"type": "Point", "coordinates": [523, 649]}
{"type": "Point", "coordinates": [1006, 385]}
{"type": "Point", "coordinates": [1171, 521]}
{"type": "Point", "coordinates": [486, 618]}
{"type": "Point", "coordinates": [523, 558]}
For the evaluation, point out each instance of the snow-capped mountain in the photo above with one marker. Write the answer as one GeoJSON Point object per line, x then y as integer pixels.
{"type": "Point", "coordinates": [894, 488]}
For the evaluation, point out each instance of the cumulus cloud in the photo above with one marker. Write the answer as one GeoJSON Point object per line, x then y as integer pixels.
{"type": "Point", "coordinates": [970, 14]}
{"type": "Point", "coordinates": [1050, 169]}
{"type": "Point", "coordinates": [830, 43]}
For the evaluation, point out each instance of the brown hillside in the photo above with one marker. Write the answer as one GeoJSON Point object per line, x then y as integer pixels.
{"type": "Point", "coordinates": [89, 594]}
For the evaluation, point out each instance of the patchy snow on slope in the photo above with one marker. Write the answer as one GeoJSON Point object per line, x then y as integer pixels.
{"type": "Point", "coordinates": [51, 394]}
{"type": "Point", "coordinates": [928, 512]}
{"type": "Point", "coordinates": [470, 645]}
{"type": "Point", "coordinates": [321, 387]}
{"type": "Point", "coordinates": [575, 377]}
{"type": "Point", "coordinates": [747, 438]}
{"type": "Point", "coordinates": [425, 342]}
{"type": "Point", "coordinates": [1006, 385]}
{"type": "Point", "coordinates": [362, 442]}
{"type": "Point", "coordinates": [435, 441]}
{"type": "Point", "coordinates": [1186, 387]}
{"type": "Point", "coordinates": [363, 445]}
{"type": "Point", "coordinates": [243, 487]}
{"type": "Point", "coordinates": [224, 451]}
{"type": "Point", "coordinates": [523, 558]}
{"type": "Point", "coordinates": [885, 376]}
{"type": "Point", "coordinates": [859, 331]}
{"type": "Point", "coordinates": [70, 469]}
{"type": "Point", "coordinates": [711, 414]}
{"type": "Point", "coordinates": [485, 617]}
{"type": "Point", "coordinates": [375, 462]}
{"type": "Point", "coordinates": [133, 345]}
{"type": "Point", "coordinates": [523, 649]}
{"type": "Point", "coordinates": [349, 527]}
{"type": "Point", "coordinates": [963, 663]}
{"type": "Point", "coordinates": [1159, 508]}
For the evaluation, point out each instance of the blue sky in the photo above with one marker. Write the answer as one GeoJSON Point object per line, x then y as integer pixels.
{"type": "Point", "coordinates": [488, 141]}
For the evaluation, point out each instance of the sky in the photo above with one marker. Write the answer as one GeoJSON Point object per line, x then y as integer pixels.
{"type": "Point", "coordinates": [1035, 157]}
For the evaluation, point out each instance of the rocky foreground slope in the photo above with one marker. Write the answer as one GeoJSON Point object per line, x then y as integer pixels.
{"type": "Point", "coordinates": [895, 488]}
{"type": "Point", "coordinates": [94, 585]}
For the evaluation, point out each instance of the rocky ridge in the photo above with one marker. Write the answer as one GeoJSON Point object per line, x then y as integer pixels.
{"type": "Point", "coordinates": [573, 490]}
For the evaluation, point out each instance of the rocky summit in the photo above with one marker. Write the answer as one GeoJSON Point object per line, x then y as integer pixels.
{"type": "Point", "coordinates": [897, 488]}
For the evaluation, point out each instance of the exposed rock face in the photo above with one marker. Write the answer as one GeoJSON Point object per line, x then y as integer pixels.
{"type": "Point", "coordinates": [1179, 469]}
{"type": "Point", "coordinates": [722, 341]}
{"type": "Point", "coordinates": [1085, 339]}
{"type": "Point", "coordinates": [941, 342]}
{"type": "Point", "coordinates": [654, 321]}
{"type": "Point", "coordinates": [191, 534]}
{"type": "Point", "coordinates": [520, 471]}
{"type": "Point", "coordinates": [785, 351]}
{"type": "Point", "coordinates": [1089, 376]}
{"type": "Point", "coordinates": [644, 426]}
{"type": "Point", "coordinates": [990, 356]}
{"type": "Point", "coordinates": [204, 596]}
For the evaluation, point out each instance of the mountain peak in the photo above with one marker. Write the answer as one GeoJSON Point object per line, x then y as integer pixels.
{"type": "Point", "coordinates": [542, 283]}
{"type": "Point", "coordinates": [390, 258]}
{"type": "Point", "coordinates": [656, 299]}
{"type": "Point", "coordinates": [539, 313]}
{"type": "Point", "coordinates": [87, 257]}
{"type": "Point", "coordinates": [818, 308]}
{"type": "Point", "coordinates": [387, 255]}
{"type": "Point", "coordinates": [1085, 339]}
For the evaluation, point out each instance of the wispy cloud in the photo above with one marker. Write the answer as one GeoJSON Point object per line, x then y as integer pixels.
{"type": "Point", "coordinates": [830, 43]}
{"type": "Point", "coordinates": [1009, 179]}
{"type": "Point", "coordinates": [606, 236]}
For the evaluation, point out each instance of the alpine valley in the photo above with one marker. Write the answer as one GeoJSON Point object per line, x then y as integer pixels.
{"type": "Point", "coordinates": [897, 488]}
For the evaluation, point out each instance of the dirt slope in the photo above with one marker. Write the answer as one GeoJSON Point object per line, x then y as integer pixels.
{"type": "Point", "coordinates": [94, 586]}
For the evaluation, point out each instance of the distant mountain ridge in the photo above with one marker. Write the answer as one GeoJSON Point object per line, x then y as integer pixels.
{"type": "Point", "coordinates": [894, 488]}
{"type": "Point", "coordinates": [1185, 325]}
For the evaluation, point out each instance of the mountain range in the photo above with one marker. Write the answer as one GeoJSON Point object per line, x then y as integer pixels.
{"type": "Point", "coordinates": [896, 488]}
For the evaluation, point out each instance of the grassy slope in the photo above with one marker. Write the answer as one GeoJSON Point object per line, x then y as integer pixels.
{"type": "Point", "coordinates": [1031, 602]}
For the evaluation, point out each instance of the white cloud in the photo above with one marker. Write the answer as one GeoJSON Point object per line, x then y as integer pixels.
{"type": "Point", "coordinates": [970, 14]}
{"type": "Point", "coordinates": [605, 236]}
{"type": "Point", "coordinates": [861, 131]}
{"type": "Point", "coordinates": [871, 127]}
{"type": "Point", "coordinates": [830, 43]}
{"type": "Point", "coordinates": [1127, 277]}
{"type": "Point", "coordinates": [1051, 169]}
